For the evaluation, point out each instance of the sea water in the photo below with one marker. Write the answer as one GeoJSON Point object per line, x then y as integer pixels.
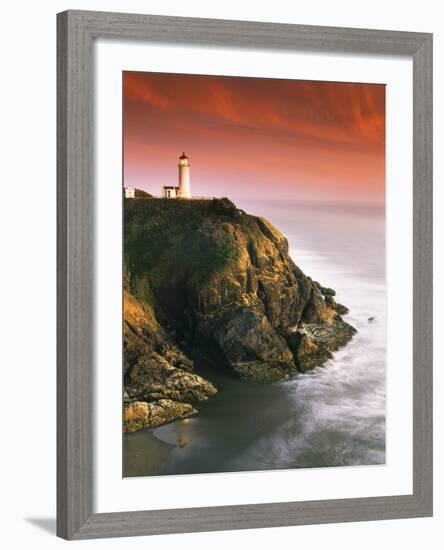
{"type": "Point", "coordinates": [333, 416]}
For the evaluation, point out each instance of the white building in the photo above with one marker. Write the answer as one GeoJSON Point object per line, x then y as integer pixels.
{"type": "Point", "coordinates": [170, 192]}
{"type": "Point", "coordinates": [130, 192]}
{"type": "Point", "coordinates": [184, 189]}
{"type": "Point", "coordinates": [184, 177]}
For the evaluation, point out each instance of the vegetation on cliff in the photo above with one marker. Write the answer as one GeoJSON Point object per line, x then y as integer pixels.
{"type": "Point", "coordinates": [203, 277]}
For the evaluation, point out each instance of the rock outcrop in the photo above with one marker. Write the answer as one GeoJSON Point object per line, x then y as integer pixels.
{"type": "Point", "coordinates": [203, 277]}
{"type": "Point", "coordinates": [142, 414]}
{"type": "Point", "coordinates": [156, 371]}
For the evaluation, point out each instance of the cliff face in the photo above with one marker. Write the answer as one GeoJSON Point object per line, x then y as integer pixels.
{"type": "Point", "coordinates": [204, 277]}
{"type": "Point", "coordinates": [159, 384]}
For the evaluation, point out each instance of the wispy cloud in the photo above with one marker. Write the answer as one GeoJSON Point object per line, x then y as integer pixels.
{"type": "Point", "coordinates": [330, 135]}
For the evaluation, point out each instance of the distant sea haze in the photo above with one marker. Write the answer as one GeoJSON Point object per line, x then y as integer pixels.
{"type": "Point", "coordinates": [333, 416]}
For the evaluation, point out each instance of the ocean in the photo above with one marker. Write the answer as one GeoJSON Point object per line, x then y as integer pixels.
{"type": "Point", "coordinates": [333, 416]}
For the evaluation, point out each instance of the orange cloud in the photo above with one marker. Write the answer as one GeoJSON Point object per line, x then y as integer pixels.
{"type": "Point", "coordinates": [300, 135]}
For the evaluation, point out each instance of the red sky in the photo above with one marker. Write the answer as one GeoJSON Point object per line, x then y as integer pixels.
{"type": "Point", "coordinates": [266, 138]}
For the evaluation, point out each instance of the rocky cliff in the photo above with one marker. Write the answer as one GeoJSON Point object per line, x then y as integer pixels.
{"type": "Point", "coordinates": [205, 278]}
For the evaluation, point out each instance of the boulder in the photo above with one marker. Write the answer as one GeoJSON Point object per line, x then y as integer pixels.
{"type": "Point", "coordinates": [249, 344]}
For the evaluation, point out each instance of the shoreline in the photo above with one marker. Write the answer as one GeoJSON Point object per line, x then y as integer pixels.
{"type": "Point", "coordinates": [156, 454]}
{"type": "Point", "coordinates": [305, 422]}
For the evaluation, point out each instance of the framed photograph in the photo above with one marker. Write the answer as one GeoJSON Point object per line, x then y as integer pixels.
{"type": "Point", "coordinates": [244, 275]}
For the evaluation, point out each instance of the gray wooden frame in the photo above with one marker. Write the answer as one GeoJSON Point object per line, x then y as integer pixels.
{"type": "Point", "coordinates": [76, 32]}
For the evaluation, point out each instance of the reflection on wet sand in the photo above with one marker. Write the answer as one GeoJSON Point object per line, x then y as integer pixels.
{"type": "Point", "coordinates": [145, 454]}
{"type": "Point", "coordinates": [183, 436]}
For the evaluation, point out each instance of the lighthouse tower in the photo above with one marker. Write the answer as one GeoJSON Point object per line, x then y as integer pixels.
{"type": "Point", "coordinates": [184, 177]}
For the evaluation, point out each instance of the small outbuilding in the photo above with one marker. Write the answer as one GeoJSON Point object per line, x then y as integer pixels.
{"type": "Point", "coordinates": [170, 192]}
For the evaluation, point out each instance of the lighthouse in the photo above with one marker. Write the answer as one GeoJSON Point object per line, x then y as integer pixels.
{"type": "Point", "coordinates": [184, 191]}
